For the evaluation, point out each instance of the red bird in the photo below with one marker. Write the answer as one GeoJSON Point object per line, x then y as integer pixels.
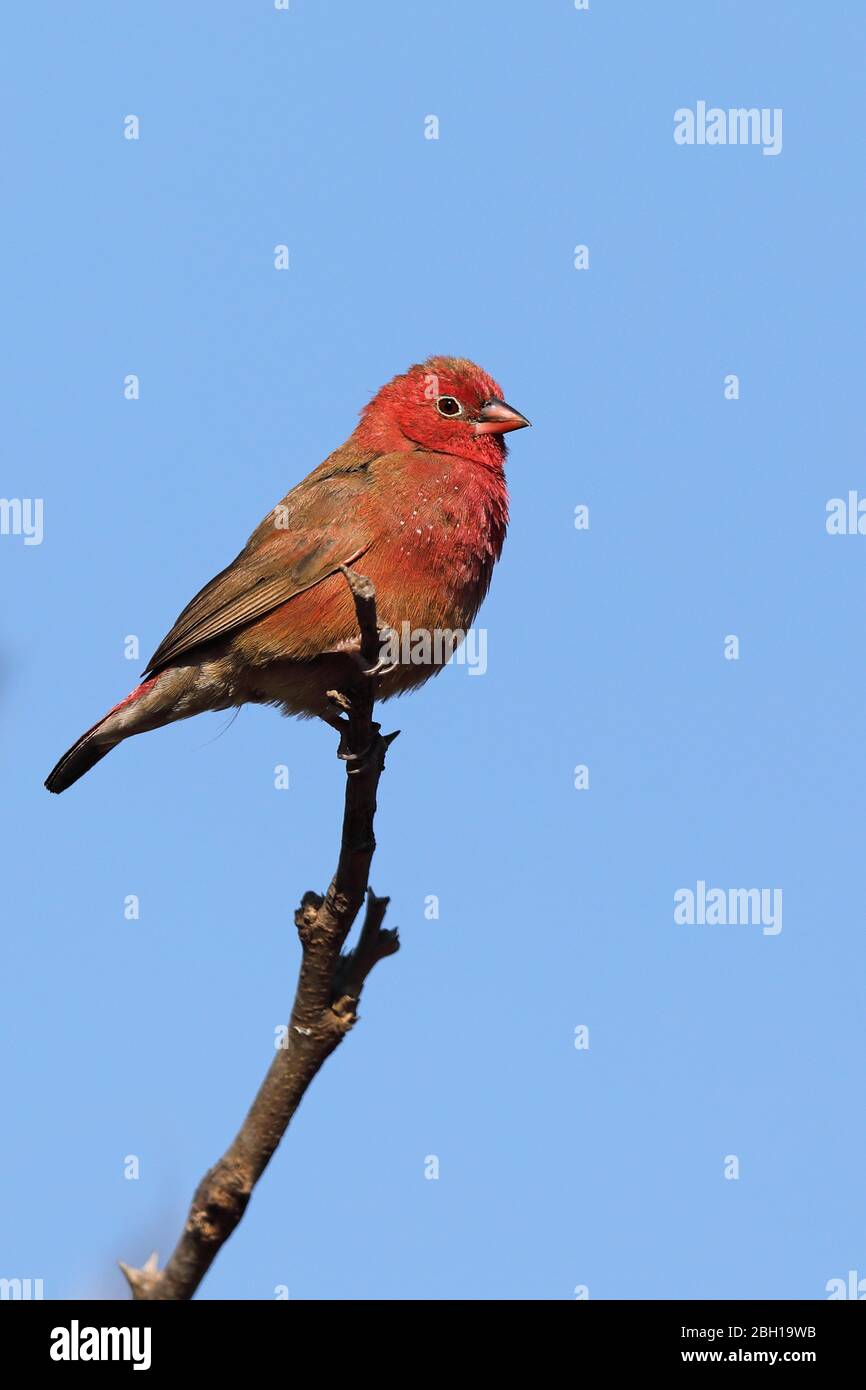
{"type": "Point", "coordinates": [415, 498]}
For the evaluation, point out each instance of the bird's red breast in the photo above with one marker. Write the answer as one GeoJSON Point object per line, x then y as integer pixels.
{"type": "Point", "coordinates": [427, 530]}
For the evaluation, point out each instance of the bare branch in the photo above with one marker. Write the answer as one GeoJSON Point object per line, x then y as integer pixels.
{"type": "Point", "coordinates": [326, 999]}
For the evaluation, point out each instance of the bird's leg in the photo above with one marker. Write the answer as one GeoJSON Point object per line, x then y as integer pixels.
{"type": "Point", "coordinates": [336, 722]}
{"type": "Point", "coordinates": [335, 717]}
{"type": "Point", "coordinates": [343, 705]}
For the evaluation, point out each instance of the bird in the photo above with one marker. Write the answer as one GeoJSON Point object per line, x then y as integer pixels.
{"type": "Point", "coordinates": [416, 499]}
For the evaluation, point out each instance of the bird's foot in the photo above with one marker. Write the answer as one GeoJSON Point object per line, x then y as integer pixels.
{"type": "Point", "coordinates": [389, 645]}
{"type": "Point", "coordinates": [357, 762]}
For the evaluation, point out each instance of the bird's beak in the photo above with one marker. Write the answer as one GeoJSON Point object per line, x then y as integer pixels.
{"type": "Point", "coordinates": [495, 417]}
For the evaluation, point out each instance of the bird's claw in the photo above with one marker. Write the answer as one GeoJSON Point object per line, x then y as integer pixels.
{"type": "Point", "coordinates": [384, 667]}
{"type": "Point", "coordinates": [358, 762]}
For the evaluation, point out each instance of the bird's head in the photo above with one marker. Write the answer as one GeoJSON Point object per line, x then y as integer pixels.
{"type": "Point", "coordinates": [446, 405]}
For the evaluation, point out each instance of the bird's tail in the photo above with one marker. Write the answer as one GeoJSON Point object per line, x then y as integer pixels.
{"type": "Point", "coordinates": [93, 745]}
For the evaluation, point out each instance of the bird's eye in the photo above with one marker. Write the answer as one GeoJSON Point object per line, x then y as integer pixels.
{"type": "Point", "coordinates": [449, 405]}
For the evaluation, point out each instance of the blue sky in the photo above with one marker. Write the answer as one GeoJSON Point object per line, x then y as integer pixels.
{"type": "Point", "coordinates": [559, 1167]}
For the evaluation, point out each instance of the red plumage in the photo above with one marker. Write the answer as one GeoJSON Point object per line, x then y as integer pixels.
{"type": "Point", "coordinates": [415, 498]}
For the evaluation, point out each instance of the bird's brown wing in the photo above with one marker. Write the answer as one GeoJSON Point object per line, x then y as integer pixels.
{"type": "Point", "coordinates": [274, 566]}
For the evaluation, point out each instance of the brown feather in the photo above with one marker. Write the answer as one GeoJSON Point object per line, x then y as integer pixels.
{"type": "Point", "coordinates": [301, 542]}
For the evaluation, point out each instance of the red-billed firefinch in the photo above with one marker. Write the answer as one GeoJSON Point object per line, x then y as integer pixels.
{"type": "Point", "coordinates": [415, 498]}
